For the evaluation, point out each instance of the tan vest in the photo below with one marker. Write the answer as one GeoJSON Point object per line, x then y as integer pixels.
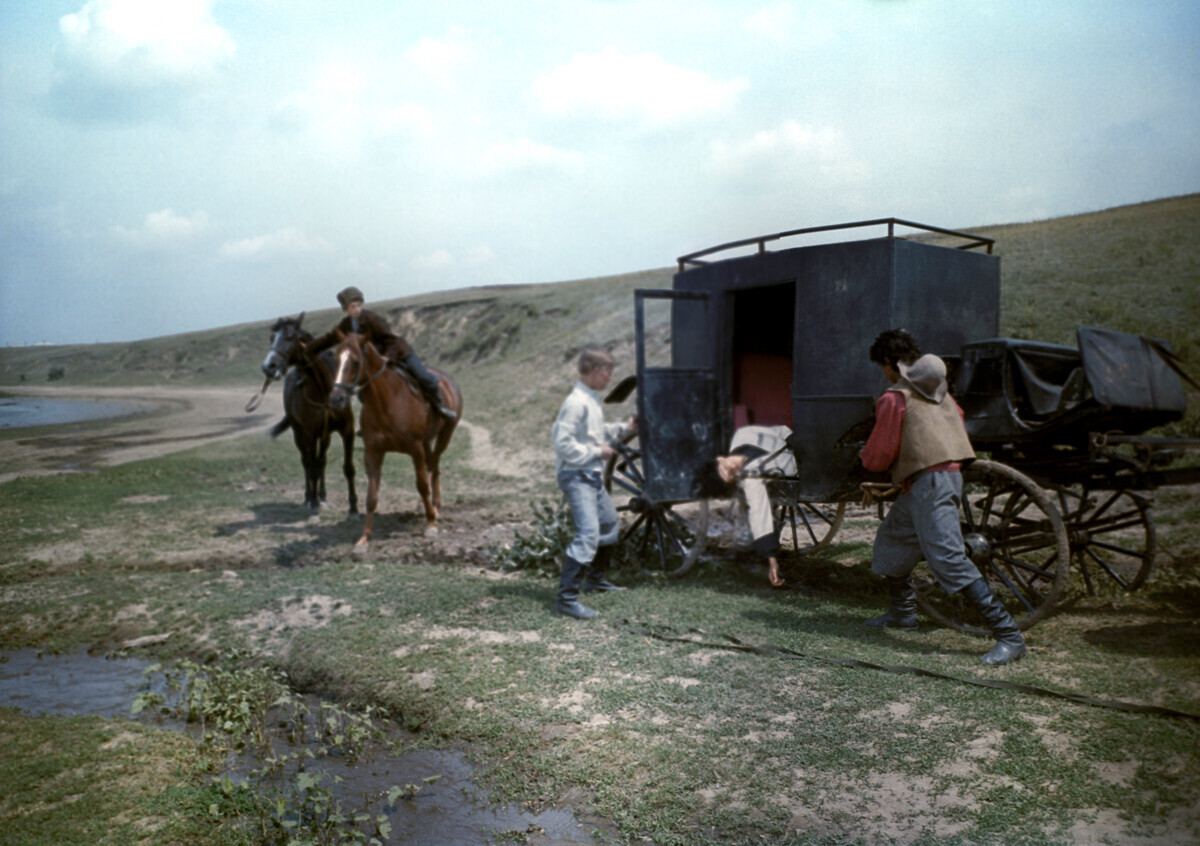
{"type": "Point", "coordinates": [932, 433]}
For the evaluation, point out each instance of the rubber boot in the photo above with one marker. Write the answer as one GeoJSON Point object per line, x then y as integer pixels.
{"type": "Point", "coordinates": [595, 578]}
{"type": "Point", "coordinates": [568, 591]}
{"type": "Point", "coordinates": [903, 613]}
{"type": "Point", "coordinates": [429, 386]}
{"type": "Point", "coordinates": [1010, 645]}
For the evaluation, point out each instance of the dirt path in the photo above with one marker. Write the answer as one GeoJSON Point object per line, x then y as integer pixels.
{"type": "Point", "coordinates": [176, 419]}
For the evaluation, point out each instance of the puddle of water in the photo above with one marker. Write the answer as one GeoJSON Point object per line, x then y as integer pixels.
{"type": "Point", "coordinates": [69, 685]}
{"type": "Point", "coordinates": [448, 810]}
{"type": "Point", "coordinates": [20, 412]}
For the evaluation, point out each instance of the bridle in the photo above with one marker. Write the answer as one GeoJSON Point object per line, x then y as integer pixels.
{"type": "Point", "coordinates": [354, 389]}
{"type": "Point", "coordinates": [272, 353]}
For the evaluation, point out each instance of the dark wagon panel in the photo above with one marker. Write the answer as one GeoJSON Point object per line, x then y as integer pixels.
{"type": "Point", "coordinates": [786, 335]}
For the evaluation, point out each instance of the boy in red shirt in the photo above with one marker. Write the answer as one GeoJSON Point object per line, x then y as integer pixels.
{"type": "Point", "coordinates": [920, 439]}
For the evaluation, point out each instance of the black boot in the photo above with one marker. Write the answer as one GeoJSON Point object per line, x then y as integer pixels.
{"type": "Point", "coordinates": [595, 578]}
{"type": "Point", "coordinates": [429, 386]}
{"type": "Point", "coordinates": [568, 591]}
{"type": "Point", "coordinates": [903, 613]}
{"type": "Point", "coordinates": [1010, 645]}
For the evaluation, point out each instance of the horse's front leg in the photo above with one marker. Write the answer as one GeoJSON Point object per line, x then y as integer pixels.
{"type": "Point", "coordinates": [322, 458]}
{"type": "Point", "coordinates": [373, 464]}
{"type": "Point", "coordinates": [421, 471]}
{"type": "Point", "coordinates": [308, 461]}
{"type": "Point", "coordinates": [435, 479]}
{"type": "Point", "coordinates": [348, 464]}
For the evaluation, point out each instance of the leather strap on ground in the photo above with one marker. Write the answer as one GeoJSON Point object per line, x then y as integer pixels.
{"type": "Point", "coordinates": [672, 635]}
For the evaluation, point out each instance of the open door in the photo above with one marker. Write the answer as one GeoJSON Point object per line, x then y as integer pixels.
{"type": "Point", "coordinates": [676, 405]}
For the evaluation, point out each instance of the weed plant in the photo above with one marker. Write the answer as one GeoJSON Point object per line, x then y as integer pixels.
{"type": "Point", "coordinates": [247, 708]}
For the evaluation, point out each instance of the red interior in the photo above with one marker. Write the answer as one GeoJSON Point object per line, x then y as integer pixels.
{"type": "Point", "coordinates": [762, 390]}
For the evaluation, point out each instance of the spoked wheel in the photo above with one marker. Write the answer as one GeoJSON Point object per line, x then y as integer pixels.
{"type": "Point", "coordinates": [813, 524]}
{"type": "Point", "coordinates": [1111, 535]}
{"type": "Point", "coordinates": [1016, 537]}
{"type": "Point", "coordinates": [671, 535]}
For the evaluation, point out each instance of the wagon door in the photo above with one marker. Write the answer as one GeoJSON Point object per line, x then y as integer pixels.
{"type": "Point", "coordinates": [676, 403]}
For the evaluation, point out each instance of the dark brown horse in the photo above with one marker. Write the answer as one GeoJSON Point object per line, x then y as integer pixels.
{"type": "Point", "coordinates": [395, 418]}
{"type": "Point", "coordinates": [307, 411]}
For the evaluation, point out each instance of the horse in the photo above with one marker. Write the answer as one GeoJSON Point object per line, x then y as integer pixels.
{"type": "Point", "coordinates": [395, 418]}
{"type": "Point", "coordinates": [307, 411]}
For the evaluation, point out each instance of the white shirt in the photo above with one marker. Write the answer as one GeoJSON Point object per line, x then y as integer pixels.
{"type": "Point", "coordinates": [580, 431]}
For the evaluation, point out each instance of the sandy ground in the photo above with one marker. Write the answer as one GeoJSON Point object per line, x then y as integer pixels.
{"type": "Point", "coordinates": [177, 419]}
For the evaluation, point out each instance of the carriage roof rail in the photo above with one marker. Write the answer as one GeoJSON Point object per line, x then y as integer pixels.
{"type": "Point", "coordinates": [973, 241]}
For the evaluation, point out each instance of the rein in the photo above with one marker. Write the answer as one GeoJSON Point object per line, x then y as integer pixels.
{"type": "Point", "coordinates": [254, 400]}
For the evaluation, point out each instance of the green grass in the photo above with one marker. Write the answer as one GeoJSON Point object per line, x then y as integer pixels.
{"type": "Point", "coordinates": [682, 743]}
{"type": "Point", "coordinates": [92, 781]}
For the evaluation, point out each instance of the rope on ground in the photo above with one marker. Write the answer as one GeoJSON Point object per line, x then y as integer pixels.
{"type": "Point", "coordinates": [669, 634]}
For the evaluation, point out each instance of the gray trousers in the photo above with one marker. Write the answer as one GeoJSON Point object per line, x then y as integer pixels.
{"type": "Point", "coordinates": [597, 522]}
{"type": "Point", "coordinates": [924, 523]}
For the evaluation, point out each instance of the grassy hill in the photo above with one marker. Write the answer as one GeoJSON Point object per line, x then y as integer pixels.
{"type": "Point", "coordinates": [1134, 268]}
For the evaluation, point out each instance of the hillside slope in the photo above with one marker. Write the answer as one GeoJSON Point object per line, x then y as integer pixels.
{"type": "Point", "coordinates": [1134, 268]}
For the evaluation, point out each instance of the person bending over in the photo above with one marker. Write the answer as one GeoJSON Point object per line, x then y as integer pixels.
{"type": "Point", "coordinates": [919, 437]}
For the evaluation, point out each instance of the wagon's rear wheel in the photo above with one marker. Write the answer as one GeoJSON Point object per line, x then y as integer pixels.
{"type": "Point", "coordinates": [1111, 535]}
{"type": "Point", "coordinates": [813, 524]}
{"type": "Point", "coordinates": [1016, 537]}
{"type": "Point", "coordinates": [673, 536]}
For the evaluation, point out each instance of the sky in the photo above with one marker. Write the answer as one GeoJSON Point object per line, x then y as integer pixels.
{"type": "Point", "coordinates": [175, 166]}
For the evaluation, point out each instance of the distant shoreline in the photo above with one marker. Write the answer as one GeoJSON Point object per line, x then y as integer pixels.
{"type": "Point", "coordinates": [32, 412]}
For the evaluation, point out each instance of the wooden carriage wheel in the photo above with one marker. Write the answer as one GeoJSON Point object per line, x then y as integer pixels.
{"type": "Point", "coordinates": [676, 531]}
{"type": "Point", "coordinates": [1015, 535]}
{"type": "Point", "coordinates": [813, 524]}
{"type": "Point", "coordinates": [1111, 534]}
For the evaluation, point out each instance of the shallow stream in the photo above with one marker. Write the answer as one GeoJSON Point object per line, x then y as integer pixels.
{"type": "Point", "coordinates": [450, 809]}
{"type": "Point", "coordinates": [22, 412]}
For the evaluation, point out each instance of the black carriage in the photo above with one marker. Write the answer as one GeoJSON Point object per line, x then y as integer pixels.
{"type": "Point", "coordinates": [780, 336]}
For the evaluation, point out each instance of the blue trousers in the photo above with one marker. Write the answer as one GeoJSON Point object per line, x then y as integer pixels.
{"type": "Point", "coordinates": [597, 523]}
{"type": "Point", "coordinates": [924, 523]}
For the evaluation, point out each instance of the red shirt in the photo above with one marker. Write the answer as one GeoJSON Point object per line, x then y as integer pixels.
{"type": "Point", "coordinates": [883, 447]}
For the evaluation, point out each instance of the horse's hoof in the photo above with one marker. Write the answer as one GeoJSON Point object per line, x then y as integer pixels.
{"type": "Point", "coordinates": [431, 531]}
{"type": "Point", "coordinates": [314, 518]}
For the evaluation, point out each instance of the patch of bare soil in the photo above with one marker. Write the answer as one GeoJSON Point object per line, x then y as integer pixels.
{"type": "Point", "coordinates": [181, 418]}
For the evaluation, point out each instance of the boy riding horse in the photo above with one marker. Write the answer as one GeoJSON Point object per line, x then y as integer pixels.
{"type": "Point", "coordinates": [391, 346]}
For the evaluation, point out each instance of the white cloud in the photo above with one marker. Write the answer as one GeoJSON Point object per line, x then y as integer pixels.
{"type": "Point", "coordinates": [819, 146]}
{"type": "Point", "coordinates": [440, 60]}
{"type": "Point", "coordinates": [524, 153]}
{"type": "Point", "coordinates": [775, 22]}
{"type": "Point", "coordinates": [437, 260]}
{"type": "Point", "coordinates": [342, 110]}
{"type": "Point", "coordinates": [625, 86]}
{"type": "Point", "coordinates": [480, 256]}
{"type": "Point", "coordinates": [162, 229]}
{"type": "Point", "coordinates": [144, 43]}
{"type": "Point", "coordinates": [282, 242]}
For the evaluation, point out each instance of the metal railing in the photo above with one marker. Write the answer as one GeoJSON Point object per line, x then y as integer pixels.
{"type": "Point", "coordinates": [973, 241]}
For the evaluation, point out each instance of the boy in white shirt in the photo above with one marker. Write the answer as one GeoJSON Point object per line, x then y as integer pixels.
{"type": "Point", "coordinates": [581, 442]}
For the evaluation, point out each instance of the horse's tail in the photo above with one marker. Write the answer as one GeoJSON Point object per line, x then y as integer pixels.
{"type": "Point", "coordinates": [281, 427]}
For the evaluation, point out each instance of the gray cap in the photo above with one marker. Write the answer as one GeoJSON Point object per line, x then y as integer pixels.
{"type": "Point", "coordinates": [926, 376]}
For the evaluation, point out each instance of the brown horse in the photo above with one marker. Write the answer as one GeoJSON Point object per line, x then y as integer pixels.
{"type": "Point", "coordinates": [395, 418]}
{"type": "Point", "coordinates": [306, 409]}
